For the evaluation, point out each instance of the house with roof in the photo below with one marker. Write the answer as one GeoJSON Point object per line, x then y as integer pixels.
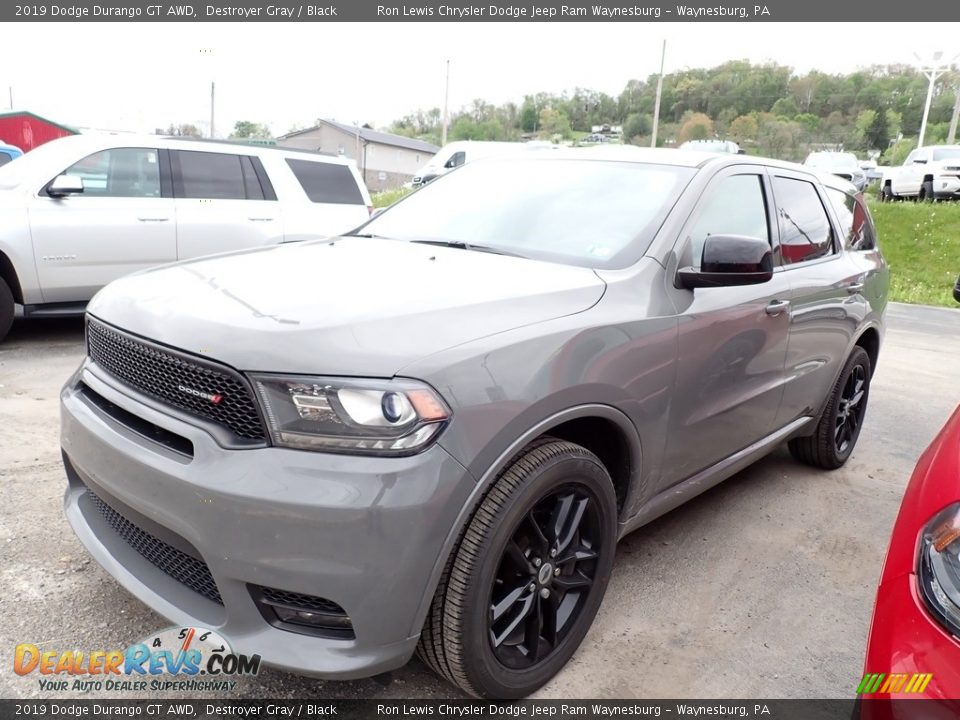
{"type": "Point", "coordinates": [385, 160]}
{"type": "Point", "coordinates": [27, 130]}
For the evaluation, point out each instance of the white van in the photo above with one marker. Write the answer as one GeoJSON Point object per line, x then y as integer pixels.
{"type": "Point", "coordinates": [79, 212]}
{"type": "Point", "coordinates": [453, 155]}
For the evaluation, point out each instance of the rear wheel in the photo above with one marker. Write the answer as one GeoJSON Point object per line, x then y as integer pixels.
{"type": "Point", "coordinates": [524, 585]}
{"type": "Point", "coordinates": [6, 309]}
{"type": "Point", "coordinates": [836, 434]}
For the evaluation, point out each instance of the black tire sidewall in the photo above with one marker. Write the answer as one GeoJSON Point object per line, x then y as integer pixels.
{"type": "Point", "coordinates": [484, 670]}
{"type": "Point", "coordinates": [6, 309]}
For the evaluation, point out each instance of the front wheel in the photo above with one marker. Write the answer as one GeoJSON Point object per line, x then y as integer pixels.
{"type": "Point", "coordinates": [926, 192]}
{"type": "Point", "coordinates": [836, 434]}
{"type": "Point", "coordinates": [524, 585]}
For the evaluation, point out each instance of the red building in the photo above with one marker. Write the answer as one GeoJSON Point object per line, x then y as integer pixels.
{"type": "Point", "coordinates": [27, 130]}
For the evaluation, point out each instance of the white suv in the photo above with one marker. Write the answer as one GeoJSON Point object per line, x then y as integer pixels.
{"type": "Point", "coordinates": [81, 211]}
{"type": "Point", "coordinates": [928, 173]}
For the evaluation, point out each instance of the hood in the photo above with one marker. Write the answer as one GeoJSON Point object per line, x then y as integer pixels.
{"type": "Point", "coordinates": [351, 306]}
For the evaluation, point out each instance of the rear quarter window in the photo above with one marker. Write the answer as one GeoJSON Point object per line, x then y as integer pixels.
{"type": "Point", "coordinates": [326, 182]}
{"type": "Point", "coordinates": [855, 222]}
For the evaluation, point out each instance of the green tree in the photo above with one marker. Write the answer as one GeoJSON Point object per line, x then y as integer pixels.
{"type": "Point", "coordinates": [696, 126]}
{"type": "Point", "coordinates": [184, 130]}
{"type": "Point", "coordinates": [528, 116]}
{"type": "Point", "coordinates": [743, 129]}
{"type": "Point", "coordinates": [877, 135]}
{"type": "Point", "coordinates": [637, 125]}
{"type": "Point", "coordinates": [244, 129]}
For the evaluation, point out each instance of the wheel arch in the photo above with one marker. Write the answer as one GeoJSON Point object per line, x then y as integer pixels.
{"type": "Point", "coordinates": [869, 339]}
{"type": "Point", "coordinates": [580, 424]}
{"type": "Point", "coordinates": [9, 274]}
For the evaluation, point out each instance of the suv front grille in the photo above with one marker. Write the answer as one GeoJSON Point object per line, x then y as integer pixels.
{"type": "Point", "coordinates": [183, 568]}
{"type": "Point", "coordinates": [207, 390]}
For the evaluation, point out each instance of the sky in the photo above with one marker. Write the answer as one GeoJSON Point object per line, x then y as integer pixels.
{"type": "Point", "coordinates": [142, 76]}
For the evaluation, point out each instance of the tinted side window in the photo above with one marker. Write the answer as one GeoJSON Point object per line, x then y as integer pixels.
{"type": "Point", "coordinates": [119, 172]}
{"type": "Point", "coordinates": [805, 232]}
{"type": "Point", "coordinates": [735, 206]}
{"type": "Point", "coordinates": [326, 182]}
{"type": "Point", "coordinates": [215, 176]}
{"type": "Point", "coordinates": [4, 158]}
{"type": "Point", "coordinates": [457, 159]}
{"type": "Point", "coordinates": [854, 220]}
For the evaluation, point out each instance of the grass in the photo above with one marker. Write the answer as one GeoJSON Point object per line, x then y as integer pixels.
{"type": "Point", "coordinates": [921, 241]}
{"type": "Point", "coordinates": [389, 197]}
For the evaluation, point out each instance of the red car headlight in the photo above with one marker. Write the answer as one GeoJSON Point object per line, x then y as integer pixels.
{"type": "Point", "coordinates": [939, 570]}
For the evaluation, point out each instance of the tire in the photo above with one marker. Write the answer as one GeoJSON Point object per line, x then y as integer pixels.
{"type": "Point", "coordinates": [886, 194]}
{"type": "Point", "coordinates": [926, 192]}
{"type": "Point", "coordinates": [836, 434]}
{"type": "Point", "coordinates": [6, 309]}
{"type": "Point", "coordinates": [500, 565]}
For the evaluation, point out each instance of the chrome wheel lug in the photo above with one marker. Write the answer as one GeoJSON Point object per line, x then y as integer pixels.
{"type": "Point", "coordinates": [533, 586]}
{"type": "Point", "coordinates": [544, 593]}
{"type": "Point", "coordinates": [553, 552]}
{"type": "Point", "coordinates": [556, 571]}
{"type": "Point", "coordinates": [537, 562]}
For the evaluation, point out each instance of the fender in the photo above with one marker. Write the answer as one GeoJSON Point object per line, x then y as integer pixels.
{"type": "Point", "coordinates": [486, 481]}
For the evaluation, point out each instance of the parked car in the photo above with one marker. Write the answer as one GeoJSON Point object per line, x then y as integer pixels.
{"type": "Point", "coordinates": [712, 146]}
{"type": "Point", "coordinates": [841, 164]}
{"type": "Point", "coordinates": [8, 153]}
{"type": "Point", "coordinates": [928, 173]}
{"type": "Point", "coordinates": [78, 212]}
{"type": "Point", "coordinates": [453, 155]}
{"type": "Point", "coordinates": [429, 435]}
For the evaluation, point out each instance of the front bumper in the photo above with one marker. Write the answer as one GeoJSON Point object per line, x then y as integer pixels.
{"type": "Point", "coordinates": [947, 187]}
{"type": "Point", "coordinates": [904, 638]}
{"type": "Point", "coordinates": [363, 532]}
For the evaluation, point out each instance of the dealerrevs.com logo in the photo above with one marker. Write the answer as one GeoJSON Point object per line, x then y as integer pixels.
{"type": "Point", "coordinates": [178, 658]}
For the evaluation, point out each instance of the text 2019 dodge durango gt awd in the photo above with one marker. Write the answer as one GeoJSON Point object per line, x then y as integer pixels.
{"type": "Point", "coordinates": [429, 435]}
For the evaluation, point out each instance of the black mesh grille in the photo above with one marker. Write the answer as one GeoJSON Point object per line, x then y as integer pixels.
{"type": "Point", "coordinates": [181, 567]}
{"type": "Point", "coordinates": [300, 601]}
{"type": "Point", "coordinates": [177, 380]}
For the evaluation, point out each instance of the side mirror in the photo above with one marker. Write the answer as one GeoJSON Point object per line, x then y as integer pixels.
{"type": "Point", "coordinates": [729, 260]}
{"type": "Point", "coordinates": [64, 185]}
{"type": "Point", "coordinates": [956, 290]}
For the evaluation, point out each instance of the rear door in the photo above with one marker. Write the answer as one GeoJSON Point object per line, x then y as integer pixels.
{"type": "Point", "coordinates": [122, 222]}
{"type": "Point", "coordinates": [732, 340]}
{"type": "Point", "coordinates": [224, 201]}
{"type": "Point", "coordinates": [827, 302]}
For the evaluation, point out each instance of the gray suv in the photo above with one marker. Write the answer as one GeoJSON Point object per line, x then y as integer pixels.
{"type": "Point", "coordinates": [428, 436]}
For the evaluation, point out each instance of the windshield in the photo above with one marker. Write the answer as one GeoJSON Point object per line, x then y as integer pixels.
{"type": "Point", "coordinates": [946, 154]}
{"type": "Point", "coordinates": [581, 212]}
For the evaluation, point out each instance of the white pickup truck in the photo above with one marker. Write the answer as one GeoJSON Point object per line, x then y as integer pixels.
{"type": "Point", "coordinates": [79, 212]}
{"type": "Point", "coordinates": [928, 173]}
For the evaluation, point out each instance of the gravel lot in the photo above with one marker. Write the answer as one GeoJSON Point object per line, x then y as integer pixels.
{"type": "Point", "coordinates": [761, 587]}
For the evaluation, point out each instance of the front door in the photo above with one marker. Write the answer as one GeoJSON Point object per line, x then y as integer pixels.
{"type": "Point", "coordinates": [732, 340]}
{"type": "Point", "coordinates": [120, 223]}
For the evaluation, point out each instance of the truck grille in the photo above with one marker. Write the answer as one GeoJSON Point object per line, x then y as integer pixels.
{"type": "Point", "coordinates": [183, 568]}
{"type": "Point", "coordinates": [207, 390]}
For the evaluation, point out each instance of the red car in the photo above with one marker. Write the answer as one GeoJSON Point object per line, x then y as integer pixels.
{"type": "Point", "coordinates": [913, 650]}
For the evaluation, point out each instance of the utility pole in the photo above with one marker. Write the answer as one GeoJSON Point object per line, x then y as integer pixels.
{"type": "Point", "coordinates": [211, 108]}
{"type": "Point", "coordinates": [446, 103]}
{"type": "Point", "coordinates": [931, 73]}
{"type": "Point", "coordinates": [656, 105]}
{"type": "Point", "coordinates": [951, 136]}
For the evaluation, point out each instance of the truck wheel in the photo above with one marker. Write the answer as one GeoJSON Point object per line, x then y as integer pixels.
{"type": "Point", "coordinates": [6, 309]}
{"type": "Point", "coordinates": [926, 192]}
{"type": "Point", "coordinates": [886, 194]}
{"type": "Point", "coordinates": [836, 434]}
{"type": "Point", "coordinates": [526, 580]}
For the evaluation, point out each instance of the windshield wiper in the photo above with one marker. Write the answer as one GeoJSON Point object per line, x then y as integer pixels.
{"type": "Point", "coordinates": [460, 245]}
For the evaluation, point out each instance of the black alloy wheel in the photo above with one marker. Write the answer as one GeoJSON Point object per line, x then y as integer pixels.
{"type": "Point", "coordinates": [850, 410]}
{"type": "Point", "coordinates": [523, 586]}
{"type": "Point", "coordinates": [835, 434]}
{"type": "Point", "coordinates": [544, 578]}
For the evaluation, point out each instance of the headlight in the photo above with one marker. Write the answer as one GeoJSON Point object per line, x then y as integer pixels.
{"type": "Point", "coordinates": [940, 567]}
{"type": "Point", "coordinates": [365, 417]}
